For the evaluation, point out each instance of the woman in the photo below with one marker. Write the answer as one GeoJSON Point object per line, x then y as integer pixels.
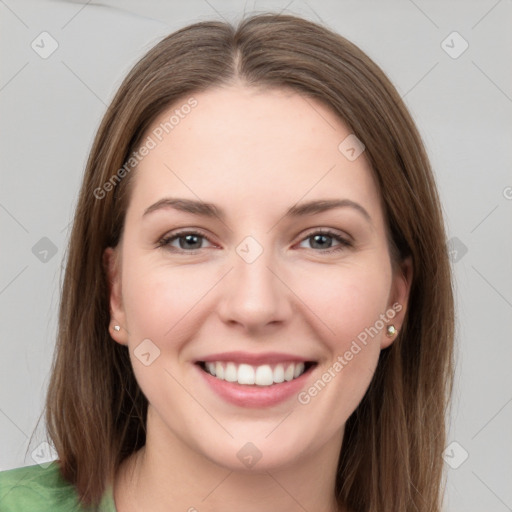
{"type": "Point", "coordinates": [257, 310]}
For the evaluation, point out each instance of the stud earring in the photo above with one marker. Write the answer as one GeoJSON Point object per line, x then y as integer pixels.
{"type": "Point", "coordinates": [391, 331]}
{"type": "Point", "coordinates": [117, 328]}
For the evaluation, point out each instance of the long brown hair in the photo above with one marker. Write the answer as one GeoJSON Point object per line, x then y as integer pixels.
{"type": "Point", "coordinates": [391, 457]}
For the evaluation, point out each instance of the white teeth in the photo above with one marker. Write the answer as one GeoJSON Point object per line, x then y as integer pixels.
{"type": "Point", "coordinates": [299, 370]}
{"type": "Point", "coordinates": [245, 374]}
{"type": "Point", "coordinates": [219, 371]}
{"type": "Point", "coordinates": [279, 374]}
{"type": "Point", "coordinates": [288, 374]}
{"type": "Point", "coordinates": [211, 368]}
{"type": "Point", "coordinates": [231, 375]}
{"type": "Point", "coordinates": [263, 375]}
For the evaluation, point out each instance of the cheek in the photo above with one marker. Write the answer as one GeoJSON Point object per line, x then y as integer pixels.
{"type": "Point", "coordinates": [351, 303]}
{"type": "Point", "coordinates": [160, 303]}
{"type": "Point", "coordinates": [159, 300]}
{"type": "Point", "coordinates": [345, 298]}
{"type": "Point", "coordinates": [348, 302]}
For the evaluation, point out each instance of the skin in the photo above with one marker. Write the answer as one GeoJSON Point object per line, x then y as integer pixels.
{"type": "Point", "coordinates": [254, 153]}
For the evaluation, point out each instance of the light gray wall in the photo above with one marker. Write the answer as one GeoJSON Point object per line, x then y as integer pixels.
{"type": "Point", "coordinates": [462, 102]}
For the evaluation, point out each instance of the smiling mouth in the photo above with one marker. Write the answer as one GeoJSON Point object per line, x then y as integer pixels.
{"type": "Point", "coordinates": [260, 375]}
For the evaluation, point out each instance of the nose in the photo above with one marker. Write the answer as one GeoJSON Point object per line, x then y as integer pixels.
{"type": "Point", "coordinates": [254, 295]}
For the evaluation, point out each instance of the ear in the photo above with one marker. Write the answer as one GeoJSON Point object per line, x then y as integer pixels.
{"type": "Point", "coordinates": [399, 297]}
{"type": "Point", "coordinates": [112, 267]}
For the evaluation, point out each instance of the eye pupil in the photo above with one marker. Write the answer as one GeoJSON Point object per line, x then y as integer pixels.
{"type": "Point", "coordinates": [321, 239]}
{"type": "Point", "coordinates": [193, 240]}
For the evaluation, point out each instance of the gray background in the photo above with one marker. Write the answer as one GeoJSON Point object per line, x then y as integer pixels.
{"type": "Point", "coordinates": [51, 107]}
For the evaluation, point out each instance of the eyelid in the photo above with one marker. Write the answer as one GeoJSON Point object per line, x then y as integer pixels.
{"type": "Point", "coordinates": [164, 241]}
{"type": "Point", "coordinates": [344, 240]}
{"type": "Point", "coordinates": [328, 231]}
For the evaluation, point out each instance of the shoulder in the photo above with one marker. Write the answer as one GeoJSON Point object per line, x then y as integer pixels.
{"type": "Point", "coordinates": [36, 488]}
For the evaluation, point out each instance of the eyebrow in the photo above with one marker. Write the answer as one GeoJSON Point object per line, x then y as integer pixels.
{"type": "Point", "coordinates": [298, 210]}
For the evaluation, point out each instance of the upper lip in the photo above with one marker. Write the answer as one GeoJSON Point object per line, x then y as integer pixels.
{"type": "Point", "coordinates": [254, 359]}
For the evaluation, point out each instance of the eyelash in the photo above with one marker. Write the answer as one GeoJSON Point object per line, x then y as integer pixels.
{"type": "Point", "coordinates": [166, 241]}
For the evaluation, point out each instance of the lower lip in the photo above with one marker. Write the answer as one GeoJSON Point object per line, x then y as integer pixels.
{"type": "Point", "coordinates": [254, 396]}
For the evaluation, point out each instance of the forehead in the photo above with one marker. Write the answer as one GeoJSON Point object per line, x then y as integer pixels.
{"type": "Point", "coordinates": [247, 148]}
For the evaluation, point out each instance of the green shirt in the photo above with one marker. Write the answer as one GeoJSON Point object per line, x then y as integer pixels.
{"type": "Point", "coordinates": [40, 489]}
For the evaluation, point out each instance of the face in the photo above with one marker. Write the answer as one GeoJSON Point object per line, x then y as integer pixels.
{"type": "Point", "coordinates": [255, 250]}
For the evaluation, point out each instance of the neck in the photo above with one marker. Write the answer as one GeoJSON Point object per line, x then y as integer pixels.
{"type": "Point", "coordinates": [167, 475]}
